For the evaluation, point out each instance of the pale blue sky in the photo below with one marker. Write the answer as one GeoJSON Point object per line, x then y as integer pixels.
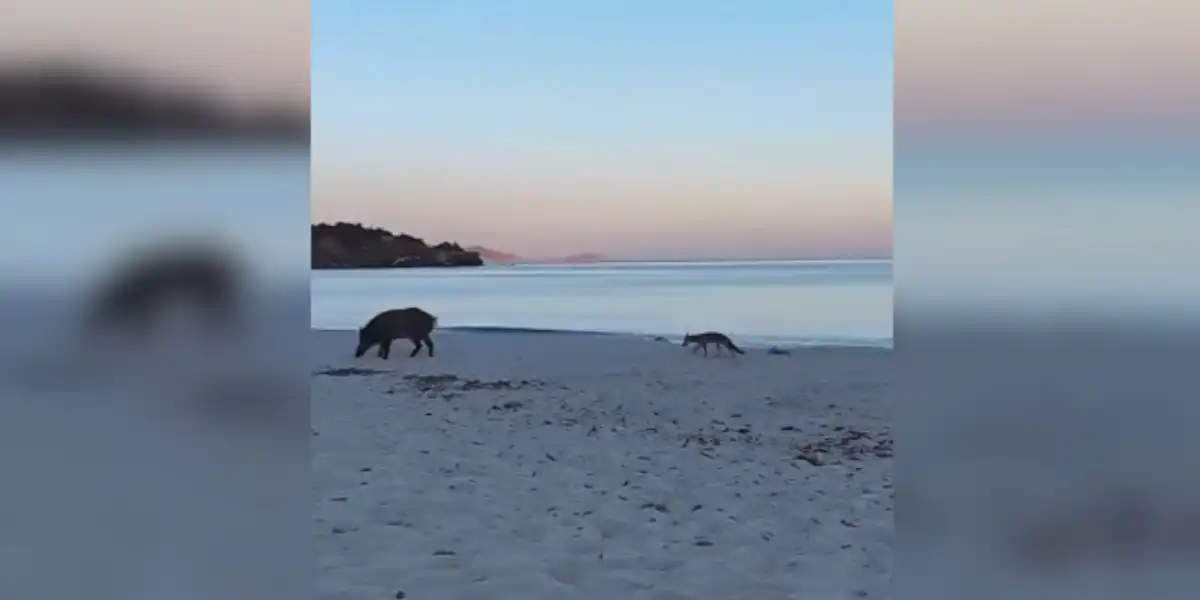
{"type": "Point", "coordinates": [650, 129]}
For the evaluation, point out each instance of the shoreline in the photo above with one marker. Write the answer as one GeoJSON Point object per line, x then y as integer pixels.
{"type": "Point", "coordinates": [749, 341]}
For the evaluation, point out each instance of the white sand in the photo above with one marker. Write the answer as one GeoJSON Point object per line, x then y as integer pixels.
{"type": "Point", "coordinates": [587, 480]}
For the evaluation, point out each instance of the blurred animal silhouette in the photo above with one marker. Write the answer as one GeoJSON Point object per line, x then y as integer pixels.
{"type": "Point", "coordinates": [142, 289]}
{"type": "Point", "coordinates": [702, 340]}
{"type": "Point", "coordinates": [409, 323]}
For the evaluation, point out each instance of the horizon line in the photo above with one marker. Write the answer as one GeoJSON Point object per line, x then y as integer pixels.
{"type": "Point", "coordinates": [641, 262]}
{"type": "Point", "coordinates": [726, 260]}
{"type": "Point", "coordinates": [563, 258]}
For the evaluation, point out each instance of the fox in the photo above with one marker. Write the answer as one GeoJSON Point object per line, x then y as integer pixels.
{"type": "Point", "coordinates": [409, 323]}
{"type": "Point", "coordinates": [702, 340]}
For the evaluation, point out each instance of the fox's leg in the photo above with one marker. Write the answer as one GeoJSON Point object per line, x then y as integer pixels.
{"type": "Point", "coordinates": [429, 345]}
{"type": "Point", "coordinates": [705, 346]}
{"type": "Point", "coordinates": [719, 349]}
{"type": "Point", "coordinates": [385, 349]}
{"type": "Point", "coordinates": [416, 347]}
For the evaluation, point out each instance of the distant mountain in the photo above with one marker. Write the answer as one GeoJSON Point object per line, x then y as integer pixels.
{"type": "Point", "coordinates": [495, 257]}
{"type": "Point", "coordinates": [499, 257]}
{"type": "Point", "coordinates": [587, 257]}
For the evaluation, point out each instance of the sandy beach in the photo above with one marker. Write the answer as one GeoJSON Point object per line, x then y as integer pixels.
{"type": "Point", "coordinates": [531, 466]}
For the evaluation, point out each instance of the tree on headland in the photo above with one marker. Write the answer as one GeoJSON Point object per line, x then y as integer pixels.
{"type": "Point", "coordinates": [344, 245]}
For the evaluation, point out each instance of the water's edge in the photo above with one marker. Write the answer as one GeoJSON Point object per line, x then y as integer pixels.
{"type": "Point", "coordinates": [748, 341]}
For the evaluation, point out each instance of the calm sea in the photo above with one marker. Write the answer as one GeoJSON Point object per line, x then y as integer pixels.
{"type": "Point", "coordinates": [792, 302]}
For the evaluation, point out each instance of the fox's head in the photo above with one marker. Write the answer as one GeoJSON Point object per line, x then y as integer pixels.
{"type": "Point", "coordinates": [687, 339]}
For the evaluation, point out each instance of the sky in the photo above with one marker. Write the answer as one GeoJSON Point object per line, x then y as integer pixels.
{"type": "Point", "coordinates": [672, 129]}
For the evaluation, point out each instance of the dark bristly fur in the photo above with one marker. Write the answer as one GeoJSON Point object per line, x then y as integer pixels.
{"type": "Point", "coordinates": [409, 323]}
{"type": "Point", "coordinates": [702, 340]}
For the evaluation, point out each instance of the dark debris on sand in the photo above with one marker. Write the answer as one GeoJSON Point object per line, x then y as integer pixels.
{"type": "Point", "coordinates": [837, 444]}
{"type": "Point", "coordinates": [847, 444]}
{"type": "Point", "coordinates": [349, 372]}
{"type": "Point", "coordinates": [437, 383]}
{"type": "Point", "coordinates": [449, 386]}
{"type": "Point", "coordinates": [510, 406]}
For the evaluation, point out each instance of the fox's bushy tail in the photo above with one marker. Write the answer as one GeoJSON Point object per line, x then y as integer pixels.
{"type": "Point", "coordinates": [733, 347]}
